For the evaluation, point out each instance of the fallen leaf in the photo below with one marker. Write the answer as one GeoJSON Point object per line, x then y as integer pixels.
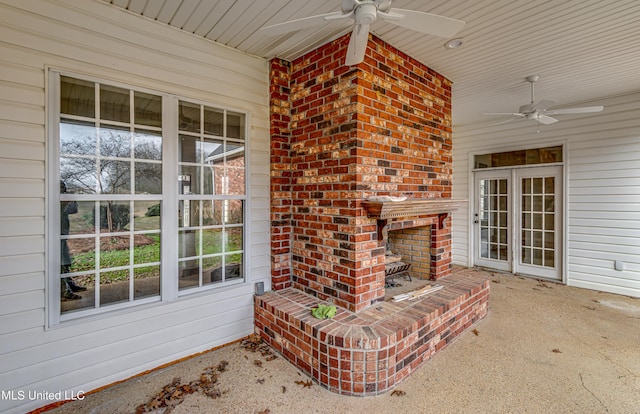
{"type": "Point", "coordinates": [495, 281]}
{"type": "Point", "coordinates": [305, 384]}
{"type": "Point", "coordinates": [475, 332]}
{"type": "Point", "coordinates": [260, 380]}
{"type": "Point", "coordinates": [257, 363]}
{"type": "Point", "coordinates": [271, 357]}
{"type": "Point", "coordinates": [590, 307]}
{"type": "Point", "coordinates": [284, 389]}
{"type": "Point", "coordinates": [398, 393]}
{"type": "Point", "coordinates": [265, 411]}
{"type": "Point", "coordinates": [556, 350]}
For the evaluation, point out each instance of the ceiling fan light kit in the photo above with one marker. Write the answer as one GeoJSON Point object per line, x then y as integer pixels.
{"type": "Point", "coordinates": [539, 111]}
{"type": "Point", "coordinates": [366, 12]}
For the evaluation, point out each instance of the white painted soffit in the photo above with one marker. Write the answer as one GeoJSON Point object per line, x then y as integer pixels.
{"type": "Point", "coordinates": [582, 49]}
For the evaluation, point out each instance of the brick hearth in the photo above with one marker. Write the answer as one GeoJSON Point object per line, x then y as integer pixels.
{"type": "Point", "coordinates": [370, 352]}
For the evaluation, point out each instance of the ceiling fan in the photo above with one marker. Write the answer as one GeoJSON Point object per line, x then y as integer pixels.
{"type": "Point", "coordinates": [539, 111]}
{"type": "Point", "coordinates": [364, 13]}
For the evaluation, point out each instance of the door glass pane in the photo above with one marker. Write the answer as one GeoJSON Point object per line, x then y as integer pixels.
{"type": "Point", "coordinates": [493, 219]}
{"type": "Point", "coordinates": [538, 197]}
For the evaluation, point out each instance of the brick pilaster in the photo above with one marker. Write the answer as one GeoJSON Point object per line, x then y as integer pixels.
{"type": "Point", "coordinates": [280, 117]}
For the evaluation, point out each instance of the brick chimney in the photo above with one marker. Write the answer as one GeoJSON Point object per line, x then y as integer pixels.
{"type": "Point", "coordinates": [338, 136]}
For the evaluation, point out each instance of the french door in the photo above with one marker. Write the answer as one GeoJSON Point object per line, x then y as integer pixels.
{"type": "Point", "coordinates": [517, 220]}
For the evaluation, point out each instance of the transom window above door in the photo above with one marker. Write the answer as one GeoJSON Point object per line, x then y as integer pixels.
{"type": "Point", "coordinates": [548, 155]}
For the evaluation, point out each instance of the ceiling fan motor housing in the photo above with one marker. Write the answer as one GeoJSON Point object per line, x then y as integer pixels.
{"type": "Point", "coordinates": [349, 5]}
{"type": "Point", "coordinates": [366, 13]}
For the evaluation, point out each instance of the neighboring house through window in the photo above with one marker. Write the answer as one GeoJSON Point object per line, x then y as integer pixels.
{"type": "Point", "coordinates": [151, 197]}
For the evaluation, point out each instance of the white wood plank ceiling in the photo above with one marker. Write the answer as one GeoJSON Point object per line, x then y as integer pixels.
{"type": "Point", "coordinates": [582, 49]}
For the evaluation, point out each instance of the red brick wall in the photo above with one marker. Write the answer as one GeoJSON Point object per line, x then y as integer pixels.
{"type": "Point", "coordinates": [280, 175]}
{"type": "Point", "coordinates": [382, 128]}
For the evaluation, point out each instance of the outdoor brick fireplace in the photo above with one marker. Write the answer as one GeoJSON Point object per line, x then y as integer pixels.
{"type": "Point", "coordinates": [340, 136]}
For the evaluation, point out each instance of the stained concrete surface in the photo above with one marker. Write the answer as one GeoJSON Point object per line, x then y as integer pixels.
{"type": "Point", "coordinates": [543, 348]}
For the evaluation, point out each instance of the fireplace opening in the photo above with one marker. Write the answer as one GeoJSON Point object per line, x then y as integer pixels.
{"type": "Point", "coordinates": [407, 259]}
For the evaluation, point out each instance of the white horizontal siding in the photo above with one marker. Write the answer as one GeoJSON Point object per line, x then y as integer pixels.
{"type": "Point", "coordinates": [98, 40]}
{"type": "Point", "coordinates": [603, 187]}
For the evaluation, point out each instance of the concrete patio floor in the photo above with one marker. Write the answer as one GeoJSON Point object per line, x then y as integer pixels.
{"type": "Point", "coordinates": [543, 348]}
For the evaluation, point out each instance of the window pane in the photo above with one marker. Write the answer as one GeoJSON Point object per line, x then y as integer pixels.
{"type": "Point", "coordinates": [189, 179]}
{"type": "Point", "coordinates": [189, 117]}
{"type": "Point", "coordinates": [234, 211]}
{"type": "Point", "coordinates": [115, 142]}
{"type": "Point", "coordinates": [146, 215]}
{"type": "Point", "coordinates": [114, 252]}
{"type": "Point", "coordinates": [147, 145]}
{"type": "Point", "coordinates": [146, 248]}
{"type": "Point", "coordinates": [81, 255]}
{"type": "Point", "coordinates": [235, 169]}
{"type": "Point", "coordinates": [77, 138]}
{"type": "Point", "coordinates": [235, 125]}
{"type": "Point", "coordinates": [233, 268]}
{"type": "Point", "coordinates": [189, 149]}
{"type": "Point", "coordinates": [537, 257]}
{"type": "Point", "coordinates": [234, 239]}
{"type": "Point", "coordinates": [115, 177]}
{"type": "Point", "coordinates": [77, 97]}
{"type": "Point", "coordinates": [212, 271]}
{"type": "Point", "coordinates": [148, 178]}
{"type": "Point", "coordinates": [187, 243]}
{"type": "Point", "coordinates": [549, 258]}
{"type": "Point", "coordinates": [148, 109]}
{"type": "Point", "coordinates": [213, 151]}
{"type": "Point", "coordinates": [549, 221]}
{"type": "Point", "coordinates": [146, 281]}
{"type": "Point", "coordinates": [188, 213]}
{"type": "Point", "coordinates": [73, 301]}
{"type": "Point", "coordinates": [549, 239]}
{"type": "Point", "coordinates": [549, 203]}
{"type": "Point", "coordinates": [114, 104]}
{"type": "Point", "coordinates": [212, 241]}
{"type": "Point", "coordinates": [213, 121]}
{"type": "Point", "coordinates": [537, 239]}
{"type": "Point", "coordinates": [212, 212]}
{"type": "Point", "coordinates": [78, 174]}
{"type": "Point", "coordinates": [77, 217]}
{"type": "Point", "coordinates": [114, 216]}
{"type": "Point", "coordinates": [114, 287]}
{"type": "Point", "coordinates": [189, 274]}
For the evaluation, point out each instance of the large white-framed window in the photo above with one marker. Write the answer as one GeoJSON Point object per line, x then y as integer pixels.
{"type": "Point", "coordinates": [121, 201]}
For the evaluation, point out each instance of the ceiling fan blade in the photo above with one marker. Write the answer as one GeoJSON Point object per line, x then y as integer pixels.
{"type": "Point", "coordinates": [505, 113]}
{"type": "Point", "coordinates": [581, 110]}
{"type": "Point", "coordinates": [299, 24]}
{"type": "Point", "coordinates": [357, 44]}
{"type": "Point", "coordinates": [431, 24]}
{"type": "Point", "coordinates": [543, 119]}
